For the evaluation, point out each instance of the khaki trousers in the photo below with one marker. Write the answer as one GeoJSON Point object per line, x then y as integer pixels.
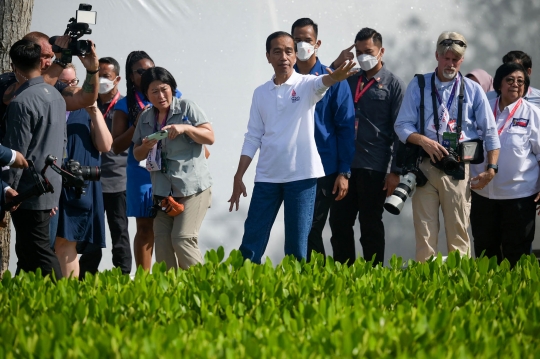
{"type": "Point", "coordinates": [454, 198]}
{"type": "Point", "coordinates": [176, 238]}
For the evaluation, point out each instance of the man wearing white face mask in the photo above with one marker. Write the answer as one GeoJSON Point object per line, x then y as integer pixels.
{"type": "Point", "coordinates": [446, 127]}
{"type": "Point", "coordinates": [334, 131]}
{"type": "Point", "coordinates": [377, 95]}
{"type": "Point", "coordinates": [113, 178]}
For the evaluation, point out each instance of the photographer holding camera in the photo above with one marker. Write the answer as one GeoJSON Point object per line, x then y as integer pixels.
{"type": "Point", "coordinates": [81, 223]}
{"type": "Point", "coordinates": [451, 135]}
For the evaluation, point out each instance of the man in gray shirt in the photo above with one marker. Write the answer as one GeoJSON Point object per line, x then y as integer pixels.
{"type": "Point", "coordinates": [36, 127]}
{"type": "Point", "coordinates": [377, 95]}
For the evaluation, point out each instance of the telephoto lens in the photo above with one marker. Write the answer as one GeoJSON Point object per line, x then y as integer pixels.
{"type": "Point", "coordinates": [407, 185]}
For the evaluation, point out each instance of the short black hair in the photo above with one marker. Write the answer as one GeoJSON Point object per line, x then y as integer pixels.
{"type": "Point", "coordinates": [111, 61]}
{"type": "Point", "coordinates": [25, 55]}
{"type": "Point", "coordinates": [367, 33]}
{"type": "Point", "coordinates": [303, 22]}
{"type": "Point", "coordinates": [518, 56]}
{"type": "Point", "coordinates": [275, 35]}
{"type": "Point", "coordinates": [505, 70]}
{"type": "Point", "coordinates": [156, 74]}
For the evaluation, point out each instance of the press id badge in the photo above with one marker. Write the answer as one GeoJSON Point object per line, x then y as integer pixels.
{"type": "Point", "coordinates": [450, 140]}
{"type": "Point", "coordinates": [153, 160]}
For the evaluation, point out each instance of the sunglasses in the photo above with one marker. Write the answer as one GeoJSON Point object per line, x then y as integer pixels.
{"type": "Point", "coordinates": [141, 71]}
{"type": "Point", "coordinates": [449, 42]}
{"type": "Point", "coordinates": [511, 81]}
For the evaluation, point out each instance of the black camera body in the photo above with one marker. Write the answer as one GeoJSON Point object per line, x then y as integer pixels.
{"type": "Point", "coordinates": [451, 164]}
{"type": "Point", "coordinates": [77, 27]}
{"type": "Point", "coordinates": [79, 174]}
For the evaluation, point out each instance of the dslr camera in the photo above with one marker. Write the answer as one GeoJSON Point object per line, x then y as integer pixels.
{"type": "Point", "coordinates": [79, 174]}
{"type": "Point", "coordinates": [409, 158]}
{"type": "Point", "coordinates": [77, 27]}
{"type": "Point", "coordinates": [451, 164]}
{"type": "Point", "coordinates": [74, 175]}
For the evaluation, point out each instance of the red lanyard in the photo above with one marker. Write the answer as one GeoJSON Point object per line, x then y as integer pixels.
{"type": "Point", "coordinates": [509, 116]}
{"type": "Point", "coordinates": [141, 104]}
{"type": "Point", "coordinates": [359, 93]}
{"type": "Point", "coordinates": [111, 105]}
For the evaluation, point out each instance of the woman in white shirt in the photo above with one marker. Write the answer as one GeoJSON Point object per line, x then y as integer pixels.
{"type": "Point", "coordinates": [503, 212]}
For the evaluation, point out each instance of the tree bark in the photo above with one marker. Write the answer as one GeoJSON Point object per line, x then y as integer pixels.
{"type": "Point", "coordinates": [15, 18]}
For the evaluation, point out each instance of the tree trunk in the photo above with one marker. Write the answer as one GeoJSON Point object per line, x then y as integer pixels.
{"type": "Point", "coordinates": [15, 17]}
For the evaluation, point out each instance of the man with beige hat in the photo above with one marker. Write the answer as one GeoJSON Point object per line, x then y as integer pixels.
{"type": "Point", "coordinates": [446, 140]}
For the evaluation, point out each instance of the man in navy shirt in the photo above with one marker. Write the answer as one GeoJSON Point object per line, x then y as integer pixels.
{"type": "Point", "coordinates": [377, 97]}
{"type": "Point", "coordinates": [334, 131]}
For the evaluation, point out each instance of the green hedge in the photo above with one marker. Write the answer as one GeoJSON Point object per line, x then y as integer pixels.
{"type": "Point", "coordinates": [463, 308]}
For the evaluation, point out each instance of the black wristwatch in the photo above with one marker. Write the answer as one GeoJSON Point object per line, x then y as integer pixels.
{"type": "Point", "coordinates": [347, 175]}
{"type": "Point", "coordinates": [495, 167]}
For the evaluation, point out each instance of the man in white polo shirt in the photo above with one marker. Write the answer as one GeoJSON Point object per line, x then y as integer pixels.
{"type": "Point", "coordinates": [281, 124]}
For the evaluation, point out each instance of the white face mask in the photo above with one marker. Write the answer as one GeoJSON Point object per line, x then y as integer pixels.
{"type": "Point", "coordinates": [367, 62]}
{"type": "Point", "coordinates": [304, 51]}
{"type": "Point", "coordinates": [105, 85]}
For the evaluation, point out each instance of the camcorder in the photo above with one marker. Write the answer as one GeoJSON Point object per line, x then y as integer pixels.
{"type": "Point", "coordinates": [409, 158]}
{"type": "Point", "coordinates": [77, 27]}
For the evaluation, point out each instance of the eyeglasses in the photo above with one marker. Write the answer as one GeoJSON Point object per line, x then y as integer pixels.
{"type": "Point", "coordinates": [511, 81]}
{"type": "Point", "coordinates": [449, 42]}
{"type": "Point", "coordinates": [141, 71]}
{"type": "Point", "coordinates": [73, 82]}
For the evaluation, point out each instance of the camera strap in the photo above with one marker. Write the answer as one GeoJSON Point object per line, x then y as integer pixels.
{"type": "Point", "coordinates": [434, 95]}
{"type": "Point", "coordinates": [422, 85]}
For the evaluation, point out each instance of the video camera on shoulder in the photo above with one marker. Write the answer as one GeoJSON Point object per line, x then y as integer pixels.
{"type": "Point", "coordinates": [77, 27]}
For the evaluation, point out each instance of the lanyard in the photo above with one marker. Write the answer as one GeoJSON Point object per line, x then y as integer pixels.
{"type": "Point", "coordinates": [450, 99]}
{"type": "Point", "coordinates": [360, 92]}
{"type": "Point", "coordinates": [111, 105]}
{"type": "Point", "coordinates": [509, 116]}
{"type": "Point", "coordinates": [141, 104]}
{"type": "Point", "coordinates": [162, 123]}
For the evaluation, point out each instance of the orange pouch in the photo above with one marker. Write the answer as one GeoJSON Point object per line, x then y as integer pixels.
{"type": "Point", "coordinates": [172, 208]}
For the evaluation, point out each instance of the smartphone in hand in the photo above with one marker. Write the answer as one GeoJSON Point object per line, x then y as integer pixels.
{"type": "Point", "coordinates": [158, 135]}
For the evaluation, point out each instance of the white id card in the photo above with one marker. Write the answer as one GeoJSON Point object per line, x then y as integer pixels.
{"type": "Point", "coordinates": [153, 160]}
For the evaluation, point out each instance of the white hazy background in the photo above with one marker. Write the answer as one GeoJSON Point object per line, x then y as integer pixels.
{"type": "Point", "coordinates": [216, 51]}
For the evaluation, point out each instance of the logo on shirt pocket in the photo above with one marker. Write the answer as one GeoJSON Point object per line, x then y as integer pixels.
{"type": "Point", "coordinates": [520, 122]}
{"type": "Point", "coordinates": [294, 98]}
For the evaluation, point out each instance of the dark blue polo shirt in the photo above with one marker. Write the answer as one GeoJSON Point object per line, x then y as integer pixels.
{"type": "Point", "coordinates": [334, 125]}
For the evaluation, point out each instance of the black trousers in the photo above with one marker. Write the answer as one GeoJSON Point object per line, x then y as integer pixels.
{"type": "Point", "coordinates": [32, 242]}
{"type": "Point", "coordinates": [503, 228]}
{"type": "Point", "coordinates": [365, 199]}
{"type": "Point", "coordinates": [115, 209]}
{"type": "Point", "coordinates": [323, 200]}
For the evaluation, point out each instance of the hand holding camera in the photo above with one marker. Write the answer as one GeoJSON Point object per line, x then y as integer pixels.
{"type": "Point", "coordinates": [434, 149]}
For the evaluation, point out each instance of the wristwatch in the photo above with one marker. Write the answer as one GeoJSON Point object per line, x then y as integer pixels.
{"type": "Point", "coordinates": [347, 175]}
{"type": "Point", "coordinates": [495, 167]}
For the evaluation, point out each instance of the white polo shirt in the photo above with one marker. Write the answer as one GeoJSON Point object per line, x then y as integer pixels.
{"type": "Point", "coordinates": [519, 154]}
{"type": "Point", "coordinates": [282, 125]}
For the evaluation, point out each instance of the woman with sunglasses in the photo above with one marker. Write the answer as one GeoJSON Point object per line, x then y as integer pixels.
{"type": "Point", "coordinates": [503, 212]}
{"type": "Point", "coordinates": [139, 187]}
{"type": "Point", "coordinates": [178, 167]}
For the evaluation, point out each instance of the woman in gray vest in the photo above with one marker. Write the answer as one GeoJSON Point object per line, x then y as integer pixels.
{"type": "Point", "coordinates": [178, 169]}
